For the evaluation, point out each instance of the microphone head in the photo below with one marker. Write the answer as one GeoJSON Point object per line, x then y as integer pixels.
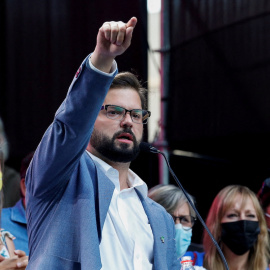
{"type": "Point", "coordinates": [146, 147]}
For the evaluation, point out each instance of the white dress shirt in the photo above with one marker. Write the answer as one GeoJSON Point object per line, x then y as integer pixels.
{"type": "Point", "coordinates": [127, 240]}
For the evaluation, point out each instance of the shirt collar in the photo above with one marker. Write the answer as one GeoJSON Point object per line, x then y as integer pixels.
{"type": "Point", "coordinates": [134, 180]}
{"type": "Point", "coordinates": [18, 212]}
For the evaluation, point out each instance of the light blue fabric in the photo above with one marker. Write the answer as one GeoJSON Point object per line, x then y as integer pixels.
{"type": "Point", "coordinates": [182, 239]}
{"type": "Point", "coordinates": [68, 197]}
{"type": "Point", "coordinates": [13, 219]}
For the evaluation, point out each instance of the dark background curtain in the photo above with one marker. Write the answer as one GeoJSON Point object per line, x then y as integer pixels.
{"type": "Point", "coordinates": [44, 44]}
{"type": "Point", "coordinates": [219, 95]}
{"type": "Point", "coordinates": [218, 103]}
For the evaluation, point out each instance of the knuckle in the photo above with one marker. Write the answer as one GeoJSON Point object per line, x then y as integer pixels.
{"type": "Point", "coordinates": [106, 24]}
{"type": "Point", "coordinates": [115, 29]}
{"type": "Point", "coordinates": [122, 28]}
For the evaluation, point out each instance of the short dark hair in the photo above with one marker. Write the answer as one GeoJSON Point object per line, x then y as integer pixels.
{"type": "Point", "coordinates": [25, 164]}
{"type": "Point", "coordinates": [128, 79]}
{"type": "Point", "coordinates": [264, 193]}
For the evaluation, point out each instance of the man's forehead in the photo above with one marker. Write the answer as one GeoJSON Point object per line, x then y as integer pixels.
{"type": "Point", "coordinates": [123, 97]}
{"type": "Point", "coordinates": [122, 89]}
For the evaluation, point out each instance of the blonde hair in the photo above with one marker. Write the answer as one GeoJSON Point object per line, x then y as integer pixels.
{"type": "Point", "coordinates": [170, 197]}
{"type": "Point", "coordinates": [258, 256]}
{"type": "Point", "coordinates": [3, 141]}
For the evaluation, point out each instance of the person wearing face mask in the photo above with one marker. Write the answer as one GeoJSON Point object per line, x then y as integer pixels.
{"type": "Point", "coordinates": [174, 201]}
{"type": "Point", "coordinates": [237, 222]}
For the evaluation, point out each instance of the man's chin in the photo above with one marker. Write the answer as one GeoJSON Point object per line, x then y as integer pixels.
{"type": "Point", "coordinates": [124, 153]}
{"type": "Point", "coordinates": [115, 149]}
{"type": "Point", "coordinates": [124, 150]}
{"type": "Point", "coordinates": [123, 145]}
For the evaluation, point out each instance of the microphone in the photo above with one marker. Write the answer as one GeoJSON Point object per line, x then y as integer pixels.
{"type": "Point", "coordinates": [148, 148]}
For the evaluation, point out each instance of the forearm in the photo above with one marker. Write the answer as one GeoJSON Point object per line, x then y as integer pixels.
{"type": "Point", "coordinates": [67, 137]}
{"type": "Point", "coordinates": [84, 99]}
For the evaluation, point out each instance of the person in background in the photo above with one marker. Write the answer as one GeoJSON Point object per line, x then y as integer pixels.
{"type": "Point", "coordinates": [11, 178]}
{"type": "Point", "coordinates": [14, 218]}
{"type": "Point", "coordinates": [264, 199]}
{"type": "Point", "coordinates": [176, 204]}
{"type": "Point", "coordinates": [10, 259]}
{"type": "Point", "coordinates": [237, 223]}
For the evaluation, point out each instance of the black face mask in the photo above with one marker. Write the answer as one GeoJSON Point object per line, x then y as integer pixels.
{"type": "Point", "coordinates": [240, 236]}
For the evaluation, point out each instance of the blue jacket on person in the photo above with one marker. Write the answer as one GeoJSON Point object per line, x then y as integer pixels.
{"type": "Point", "coordinates": [198, 257]}
{"type": "Point", "coordinates": [13, 220]}
{"type": "Point", "coordinates": [68, 196]}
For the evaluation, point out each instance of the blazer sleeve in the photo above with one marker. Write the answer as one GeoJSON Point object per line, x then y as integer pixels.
{"type": "Point", "coordinates": [67, 137]}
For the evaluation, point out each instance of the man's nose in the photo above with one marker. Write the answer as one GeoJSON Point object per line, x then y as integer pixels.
{"type": "Point", "coordinates": [127, 121]}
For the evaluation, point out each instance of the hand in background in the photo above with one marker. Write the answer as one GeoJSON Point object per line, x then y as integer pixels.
{"type": "Point", "coordinates": [19, 261]}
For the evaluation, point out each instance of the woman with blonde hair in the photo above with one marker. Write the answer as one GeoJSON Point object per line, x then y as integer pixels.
{"type": "Point", "coordinates": [236, 221]}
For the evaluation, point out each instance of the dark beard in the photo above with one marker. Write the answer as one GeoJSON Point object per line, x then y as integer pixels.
{"type": "Point", "coordinates": [106, 147]}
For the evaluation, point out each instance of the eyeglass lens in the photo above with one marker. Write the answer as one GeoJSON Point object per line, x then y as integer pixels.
{"type": "Point", "coordinates": [187, 221]}
{"type": "Point", "coordinates": [117, 113]}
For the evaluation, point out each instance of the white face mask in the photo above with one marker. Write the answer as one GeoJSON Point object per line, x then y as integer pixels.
{"type": "Point", "coordinates": [182, 238]}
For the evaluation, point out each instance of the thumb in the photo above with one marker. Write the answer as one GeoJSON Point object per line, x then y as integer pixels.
{"type": "Point", "coordinates": [2, 258]}
{"type": "Point", "coordinates": [132, 22]}
{"type": "Point", "coordinates": [130, 27]}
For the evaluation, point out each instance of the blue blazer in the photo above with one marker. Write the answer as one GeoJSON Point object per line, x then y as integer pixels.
{"type": "Point", "coordinates": [68, 196]}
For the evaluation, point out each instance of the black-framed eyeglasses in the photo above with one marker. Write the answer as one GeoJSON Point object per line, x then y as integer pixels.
{"type": "Point", "coordinates": [187, 221]}
{"type": "Point", "coordinates": [118, 113]}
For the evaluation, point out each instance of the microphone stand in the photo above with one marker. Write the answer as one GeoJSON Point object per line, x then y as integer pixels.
{"type": "Point", "coordinates": [156, 151]}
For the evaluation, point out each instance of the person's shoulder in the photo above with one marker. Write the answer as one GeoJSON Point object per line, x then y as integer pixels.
{"type": "Point", "coordinates": [160, 208]}
{"type": "Point", "coordinates": [6, 211]}
{"type": "Point", "coordinates": [6, 214]}
{"type": "Point", "coordinates": [155, 204]}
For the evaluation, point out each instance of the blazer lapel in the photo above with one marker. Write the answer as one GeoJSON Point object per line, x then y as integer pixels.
{"type": "Point", "coordinates": [105, 192]}
{"type": "Point", "coordinates": [158, 225]}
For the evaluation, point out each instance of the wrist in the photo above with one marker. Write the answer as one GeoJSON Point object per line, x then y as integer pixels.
{"type": "Point", "coordinates": [102, 62]}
